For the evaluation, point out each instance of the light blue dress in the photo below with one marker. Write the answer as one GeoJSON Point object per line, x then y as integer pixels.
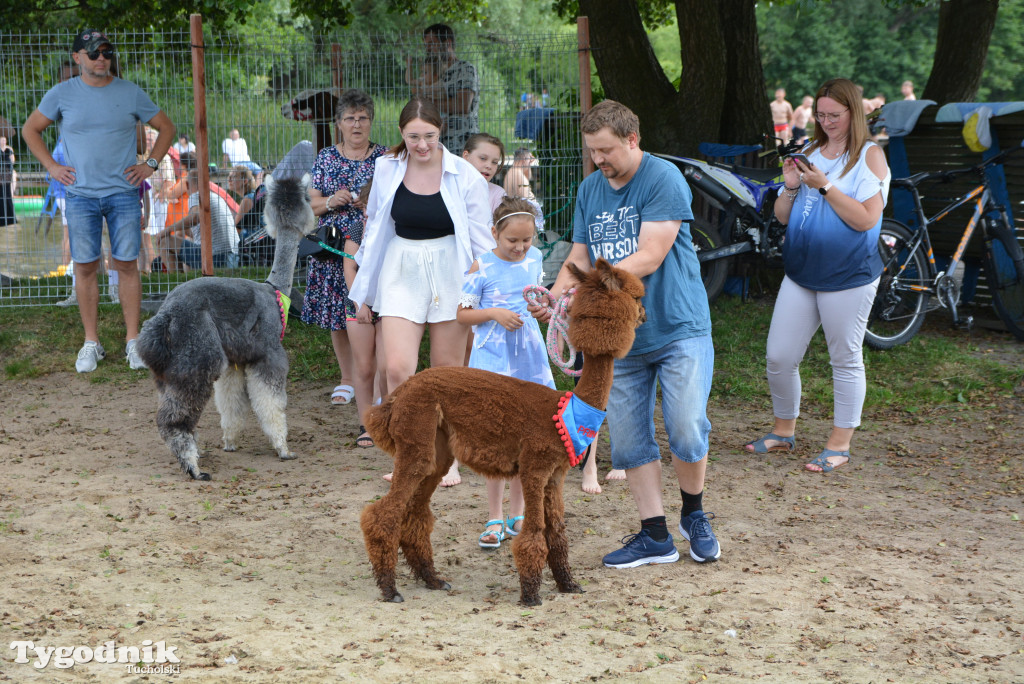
{"type": "Point", "coordinates": [499, 284]}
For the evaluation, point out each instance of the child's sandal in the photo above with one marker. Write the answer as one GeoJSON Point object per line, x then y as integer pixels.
{"type": "Point", "coordinates": [510, 526]}
{"type": "Point", "coordinates": [498, 534]}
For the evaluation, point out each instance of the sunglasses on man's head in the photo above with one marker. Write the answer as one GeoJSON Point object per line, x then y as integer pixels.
{"type": "Point", "coordinates": [95, 54]}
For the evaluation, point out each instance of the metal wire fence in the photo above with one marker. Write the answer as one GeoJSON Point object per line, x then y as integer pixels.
{"type": "Point", "coordinates": [275, 93]}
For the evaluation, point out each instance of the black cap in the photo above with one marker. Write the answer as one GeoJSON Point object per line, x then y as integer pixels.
{"type": "Point", "coordinates": [89, 40]}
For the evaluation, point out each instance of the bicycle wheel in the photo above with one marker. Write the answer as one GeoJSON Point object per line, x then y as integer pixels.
{"type": "Point", "coordinates": [712, 273]}
{"type": "Point", "coordinates": [1004, 273]}
{"type": "Point", "coordinates": [902, 297]}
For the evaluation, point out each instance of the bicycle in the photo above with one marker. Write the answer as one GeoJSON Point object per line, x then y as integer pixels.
{"type": "Point", "coordinates": [910, 277]}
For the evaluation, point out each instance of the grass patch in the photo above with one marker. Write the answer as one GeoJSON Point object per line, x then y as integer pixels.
{"type": "Point", "coordinates": [936, 368]}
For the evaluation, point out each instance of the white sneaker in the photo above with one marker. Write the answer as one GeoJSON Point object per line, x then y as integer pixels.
{"type": "Point", "coordinates": [112, 291]}
{"type": "Point", "coordinates": [88, 356]}
{"type": "Point", "coordinates": [135, 361]}
{"type": "Point", "coordinates": [70, 301]}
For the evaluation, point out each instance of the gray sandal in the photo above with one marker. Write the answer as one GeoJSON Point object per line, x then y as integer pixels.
{"type": "Point", "coordinates": [822, 460]}
{"type": "Point", "coordinates": [789, 444]}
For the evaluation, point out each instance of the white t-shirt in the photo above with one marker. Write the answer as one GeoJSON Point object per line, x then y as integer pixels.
{"type": "Point", "coordinates": [236, 150]}
{"type": "Point", "coordinates": [189, 148]}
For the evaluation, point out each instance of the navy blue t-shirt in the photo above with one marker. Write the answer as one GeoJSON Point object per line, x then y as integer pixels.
{"type": "Point", "coordinates": [608, 222]}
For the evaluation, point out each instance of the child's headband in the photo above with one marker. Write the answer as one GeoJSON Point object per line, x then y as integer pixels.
{"type": "Point", "coordinates": [517, 213]}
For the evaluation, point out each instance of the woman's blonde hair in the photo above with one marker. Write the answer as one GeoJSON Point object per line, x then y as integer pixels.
{"type": "Point", "coordinates": [846, 93]}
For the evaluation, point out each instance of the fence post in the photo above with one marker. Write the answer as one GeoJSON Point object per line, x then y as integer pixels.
{"type": "Point", "coordinates": [202, 148]}
{"type": "Point", "coordinates": [583, 47]}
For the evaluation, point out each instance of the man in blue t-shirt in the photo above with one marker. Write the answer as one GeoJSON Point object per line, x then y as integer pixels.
{"type": "Point", "coordinates": [636, 214]}
{"type": "Point", "coordinates": [98, 114]}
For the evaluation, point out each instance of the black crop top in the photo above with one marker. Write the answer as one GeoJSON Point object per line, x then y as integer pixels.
{"type": "Point", "coordinates": [420, 217]}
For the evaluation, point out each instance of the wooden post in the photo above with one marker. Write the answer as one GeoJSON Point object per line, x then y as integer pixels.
{"type": "Point", "coordinates": [583, 47]}
{"type": "Point", "coordinates": [202, 146]}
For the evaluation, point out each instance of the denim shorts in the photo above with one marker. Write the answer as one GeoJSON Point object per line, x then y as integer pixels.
{"type": "Point", "coordinates": [191, 255]}
{"type": "Point", "coordinates": [123, 213]}
{"type": "Point", "coordinates": [683, 369]}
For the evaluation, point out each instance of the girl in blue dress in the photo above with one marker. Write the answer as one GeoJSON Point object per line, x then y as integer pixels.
{"type": "Point", "coordinates": [506, 338]}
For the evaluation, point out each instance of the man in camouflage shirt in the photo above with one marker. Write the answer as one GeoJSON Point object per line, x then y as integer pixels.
{"type": "Point", "coordinates": [451, 84]}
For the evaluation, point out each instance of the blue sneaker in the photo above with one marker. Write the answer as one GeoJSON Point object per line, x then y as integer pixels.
{"type": "Point", "coordinates": [641, 549]}
{"type": "Point", "coordinates": [696, 528]}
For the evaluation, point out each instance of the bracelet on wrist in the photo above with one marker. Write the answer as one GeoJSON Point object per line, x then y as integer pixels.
{"type": "Point", "coordinates": [327, 204]}
{"type": "Point", "coordinates": [797, 188]}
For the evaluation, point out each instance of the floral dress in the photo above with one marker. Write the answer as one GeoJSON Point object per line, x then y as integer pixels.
{"type": "Point", "coordinates": [499, 284]}
{"type": "Point", "coordinates": [327, 304]}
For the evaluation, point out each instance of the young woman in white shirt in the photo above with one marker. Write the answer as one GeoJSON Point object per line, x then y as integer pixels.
{"type": "Point", "coordinates": [429, 219]}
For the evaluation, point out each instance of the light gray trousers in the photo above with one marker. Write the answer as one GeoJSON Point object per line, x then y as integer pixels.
{"type": "Point", "coordinates": [843, 316]}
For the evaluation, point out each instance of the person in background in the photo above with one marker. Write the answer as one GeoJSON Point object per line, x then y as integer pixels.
{"type": "Point", "coordinates": [339, 173]}
{"type": "Point", "coordinates": [177, 250]}
{"type": "Point", "coordinates": [802, 117]}
{"type": "Point", "coordinates": [518, 179]}
{"type": "Point", "coordinates": [7, 184]}
{"type": "Point", "coordinates": [487, 155]}
{"type": "Point", "coordinates": [833, 213]}
{"type": "Point", "coordinates": [450, 83]}
{"type": "Point", "coordinates": [429, 219]}
{"type": "Point", "coordinates": [184, 146]}
{"type": "Point", "coordinates": [907, 89]}
{"type": "Point", "coordinates": [102, 179]}
{"type": "Point", "coordinates": [160, 182]}
{"type": "Point", "coordinates": [782, 115]}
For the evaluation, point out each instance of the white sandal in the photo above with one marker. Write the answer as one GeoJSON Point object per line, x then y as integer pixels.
{"type": "Point", "coordinates": [342, 394]}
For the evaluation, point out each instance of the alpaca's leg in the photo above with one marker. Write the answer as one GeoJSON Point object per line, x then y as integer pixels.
{"type": "Point", "coordinates": [232, 401]}
{"type": "Point", "coordinates": [266, 382]}
{"type": "Point", "coordinates": [383, 522]}
{"type": "Point", "coordinates": [530, 547]}
{"type": "Point", "coordinates": [176, 419]}
{"type": "Point", "coordinates": [554, 532]}
{"type": "Point", "coordinates": [419, 519]}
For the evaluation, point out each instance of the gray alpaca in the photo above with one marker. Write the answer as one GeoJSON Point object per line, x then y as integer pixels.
{"type": "Point", "coordinates": [223, 335]}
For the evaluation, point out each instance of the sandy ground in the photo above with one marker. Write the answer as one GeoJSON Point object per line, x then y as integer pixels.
{"type": "Point", "coordinates": [903, 566]}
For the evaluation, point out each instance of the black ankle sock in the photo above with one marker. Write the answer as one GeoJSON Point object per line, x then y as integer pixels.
{"type": "Point", "coordinates": [655, 527]}
{"type": "Point", "coordinates": [692, 502]}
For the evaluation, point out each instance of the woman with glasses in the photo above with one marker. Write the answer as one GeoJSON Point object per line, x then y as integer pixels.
{"type": "Point", "coordinates": [832, 206]}
{"type": "Point", "coordinates": [429, 218]}
{"type": "Point", "coordinates": [339, 172]}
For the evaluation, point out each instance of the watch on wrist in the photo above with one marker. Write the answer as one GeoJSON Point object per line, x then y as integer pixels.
{"type": "Point", "coordinates": [825, 188]}
{"type": "Point", "coordinates": [152, 163]}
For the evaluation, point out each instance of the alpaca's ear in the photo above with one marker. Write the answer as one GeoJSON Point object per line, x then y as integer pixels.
{"type": "Point", "coordinates": [577, 274]}
{"type": "Point", "coordinates": [608, 275]}
{"type": "Point", "coordinates": [305, 181]}
{"type": "Point", "coordinates": [268, 181]}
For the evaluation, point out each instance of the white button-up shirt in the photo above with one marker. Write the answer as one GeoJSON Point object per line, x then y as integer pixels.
{"type": "Point", "coordinates": [465, 195]}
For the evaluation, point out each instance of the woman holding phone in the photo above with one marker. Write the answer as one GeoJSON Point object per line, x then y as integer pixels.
{"type": "Point", "coordinates": [832, 206]}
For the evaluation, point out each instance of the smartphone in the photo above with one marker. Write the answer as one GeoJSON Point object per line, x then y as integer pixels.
{"type": "Point", "coordinates": [802, 158]}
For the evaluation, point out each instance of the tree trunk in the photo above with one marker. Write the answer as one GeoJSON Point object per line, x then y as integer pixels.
{"type": "Point", "coordinates": [965, 27]}
{"type": "Point", "coordinates": [629, 70]}
{"type": "Point", "coordinates": [721, 96]}
{"type": "Point", "coordinates": [746, 117]}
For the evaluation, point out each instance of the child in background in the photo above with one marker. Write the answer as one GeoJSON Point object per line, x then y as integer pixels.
{"type": "Point", "coordinates": [506, 338]}
{"type": "Point", "coordinates": [487, 155]}
{"type": "Point", "coordinates": [363, 332]}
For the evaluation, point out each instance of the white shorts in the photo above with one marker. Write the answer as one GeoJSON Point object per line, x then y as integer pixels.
{"type": "Point", "coordinates": [420, 280]}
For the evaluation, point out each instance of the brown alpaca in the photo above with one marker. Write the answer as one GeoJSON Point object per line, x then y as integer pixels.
{"type": "Point", "coordinates": [500, 427]}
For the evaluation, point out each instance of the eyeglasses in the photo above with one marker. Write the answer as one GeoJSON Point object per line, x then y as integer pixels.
{"type": "Point", "coordinates": [96, 54]}
{"type": "Point", "coordinates": [414, 138]}
{"type": "Point", "coordinates": [831, 116]}
{"type": "Point", "coordinates": [353, 120]}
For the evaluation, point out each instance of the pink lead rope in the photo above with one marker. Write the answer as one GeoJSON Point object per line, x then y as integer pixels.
{"type": "Point", "coordinates": [558, 326]}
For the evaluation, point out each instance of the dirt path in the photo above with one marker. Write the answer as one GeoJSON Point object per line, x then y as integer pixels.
{"type": "Point", "coordinates": [903, 566]}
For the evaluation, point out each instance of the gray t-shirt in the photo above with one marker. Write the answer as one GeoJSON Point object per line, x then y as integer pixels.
{"type": "Point", "coordinates": [98, 127]}
{"type": "Point", "coordinates": [222, 224]}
